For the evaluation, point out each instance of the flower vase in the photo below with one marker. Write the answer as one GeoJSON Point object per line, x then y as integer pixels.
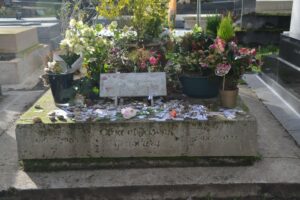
{"type": "Point", "coordinates": [229, 98]}
{"type": "Point", "coordinates": [200, 87]}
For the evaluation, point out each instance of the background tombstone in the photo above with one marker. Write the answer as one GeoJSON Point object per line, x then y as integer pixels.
{"type": "Point", "coordinates": [282, 72]}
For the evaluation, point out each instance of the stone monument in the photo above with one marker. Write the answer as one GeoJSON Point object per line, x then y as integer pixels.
{"type": "Point", "coordinates": [282, 72]}
{"type": "Point", "coordinates": [20, 54]}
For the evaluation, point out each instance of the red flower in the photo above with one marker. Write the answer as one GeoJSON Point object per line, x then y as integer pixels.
{"type": "Point", "coordinates": [158, 56]}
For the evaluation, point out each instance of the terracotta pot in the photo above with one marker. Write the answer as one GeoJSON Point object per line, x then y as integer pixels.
{"type": "Point", "coordinates": [229, 98]}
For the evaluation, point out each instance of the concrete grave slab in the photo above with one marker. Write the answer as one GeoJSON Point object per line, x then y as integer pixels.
{"type": "Point", "coordinates": [17, 39]}
{"type": "Point", "coordinates": [135, 138]}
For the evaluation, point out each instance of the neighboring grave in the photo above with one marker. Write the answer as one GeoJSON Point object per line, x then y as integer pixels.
{"type": "Point", "coordinates": [20, 53]}
{"type": "Point", "coordinates": [17, 39]}
{"type": "Point", "coordinates": [282, 72]}
{"type": "Point", "coordinates": [132, 139]}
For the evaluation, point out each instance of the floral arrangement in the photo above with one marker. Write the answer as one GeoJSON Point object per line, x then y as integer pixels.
{"type": "Point", "coordinates": [190, 55]}
{"type": "Point", "coordinates": [86, 40]}
{"type": "Point", "coordinates": [231, 61]}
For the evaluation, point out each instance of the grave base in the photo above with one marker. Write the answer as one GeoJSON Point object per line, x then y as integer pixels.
{"type": "Point", "coordinates": [136, 142]}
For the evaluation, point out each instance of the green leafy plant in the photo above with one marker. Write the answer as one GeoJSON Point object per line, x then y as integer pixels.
{"type": "Point", "coordinates": [148, 16]}
{"type": "Point", "coordinates": [190, 54]}
{"type": "Point", "coordinates": [83, 39]}
{"type": "Point", "coordinates": [212, 25]}
{"type": "Point", "coordinates": [226, 29]}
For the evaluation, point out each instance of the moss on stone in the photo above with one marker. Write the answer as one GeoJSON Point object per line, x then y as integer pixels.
{"type": "Point", "coordinates": [47, 104]}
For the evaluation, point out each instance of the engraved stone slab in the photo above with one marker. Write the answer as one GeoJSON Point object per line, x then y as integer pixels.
{"type": "Point", "coordinates": [133, 84]}
{"type": "Point", "coordinates": [137, 139]}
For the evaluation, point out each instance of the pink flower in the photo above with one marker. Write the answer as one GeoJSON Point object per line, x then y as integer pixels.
{"type": "Point", "coordinates": [222, 69]}
{"type": "Point", "coordinates": [213, 46]}
{"type": "Point", "coordinates": [244, 51]}
{"type": "Point", "coordinates": [143, 65]}
{"type": "Point", "coordinates": [220, 45]}
{"type": "Point", "coordinates": [153, 60]}
{"type": "Point", "coordinates": [253, 52]}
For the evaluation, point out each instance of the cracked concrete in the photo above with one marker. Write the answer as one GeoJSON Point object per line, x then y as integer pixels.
{"type": "Point", "coordinates": [279, 168]}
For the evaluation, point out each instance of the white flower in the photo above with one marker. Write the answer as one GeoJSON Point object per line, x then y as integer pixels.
{"type": "Point", "coordinates": [72, 22]}
{"type": "Point", "coordinates": [51, 65]}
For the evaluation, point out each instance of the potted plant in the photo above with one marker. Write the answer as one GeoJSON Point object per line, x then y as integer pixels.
{"type": "Point", "coordinates": [194, 63]}
{"type": "Point", "coordinates": [231, 62]}
{"type": "Point", "coordinates": [87, 41]}
{"type": "Point", "coordinates": [59, 75]}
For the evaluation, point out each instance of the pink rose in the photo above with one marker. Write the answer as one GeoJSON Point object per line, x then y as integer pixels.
{"type": "Point", "coordinates": [153, 60]}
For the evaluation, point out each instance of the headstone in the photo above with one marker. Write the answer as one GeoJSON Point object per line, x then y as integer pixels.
{"type": "Point", "coordinates": [133, 84]}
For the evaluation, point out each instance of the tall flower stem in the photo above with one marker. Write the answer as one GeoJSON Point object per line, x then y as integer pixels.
{"type": "Point", "coordinates": [224, 79]}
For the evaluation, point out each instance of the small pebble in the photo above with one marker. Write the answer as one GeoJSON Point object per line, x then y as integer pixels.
{"type": "Point", "coordinates": [52, 119]}
{"type": "Point", "coordinates": [38, 107]}
{"type": "Point", "coordinates": [37, 120]}
{"type": "Point", "coordinates": [61, 118]}
{"type": "Point", "coordinates": [51, 114]}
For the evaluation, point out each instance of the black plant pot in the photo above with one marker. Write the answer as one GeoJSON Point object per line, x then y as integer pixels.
{"type": "Point", "coordinates": [200, 87]}
{"type": "Point", "coordinates": [61, 87]}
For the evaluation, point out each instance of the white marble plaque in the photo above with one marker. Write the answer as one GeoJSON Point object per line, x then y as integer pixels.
{"type": "Point", "coordinates": [133, 84]}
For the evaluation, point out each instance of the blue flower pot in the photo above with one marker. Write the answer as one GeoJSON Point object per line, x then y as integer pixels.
{"type": "Point", "coordinates": [200, 87]}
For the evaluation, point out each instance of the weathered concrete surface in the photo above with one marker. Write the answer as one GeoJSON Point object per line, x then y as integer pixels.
{"type": "Point", "coordinates": [276, 175]}
{"type": "Point", "coordinates": [17, 39]}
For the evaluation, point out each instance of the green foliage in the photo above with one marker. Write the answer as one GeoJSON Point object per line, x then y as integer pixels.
{"type": "Point", "coordinates": [212, 25]}
{"type": "Point", "coordinates": [148, 16]}
{"type": "Point", "coordinates": [70, 58]}
{"type": "Point", "coordinates": [112, 9]}
{"type": "Point", "coordinates": [226, 29]}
